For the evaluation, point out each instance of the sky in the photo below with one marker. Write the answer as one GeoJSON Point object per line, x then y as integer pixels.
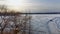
{"type": "Point", "coordinates": [33, 5]}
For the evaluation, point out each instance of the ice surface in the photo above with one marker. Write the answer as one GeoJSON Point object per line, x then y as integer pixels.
{"type": "Point", "coordinates": [42, 23]}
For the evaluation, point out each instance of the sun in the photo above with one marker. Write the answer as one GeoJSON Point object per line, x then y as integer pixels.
{"type": "Point", "coordinates": [15, 4]}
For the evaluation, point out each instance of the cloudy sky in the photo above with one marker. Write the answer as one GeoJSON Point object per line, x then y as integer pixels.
{"type": "Point", "coordinates": [33, 5]}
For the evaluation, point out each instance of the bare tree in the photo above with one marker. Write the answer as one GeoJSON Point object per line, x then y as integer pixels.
{"type": "Point", "coordinates": [22, 25]}
{"type": "Point", "coordinates": [3, 8]}
{"type": "Point", "coordinates": [18, 19]}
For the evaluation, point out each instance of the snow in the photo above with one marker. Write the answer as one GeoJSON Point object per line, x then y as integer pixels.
{"type": "Point", "coordinates": [39, 23]}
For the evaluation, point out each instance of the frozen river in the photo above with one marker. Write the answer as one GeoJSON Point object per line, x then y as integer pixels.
{"type": "Point", "coordinates": [45, 24]}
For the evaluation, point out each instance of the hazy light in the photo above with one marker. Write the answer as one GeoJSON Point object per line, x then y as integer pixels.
{"type": "Point", "coordinates": [15, 4]}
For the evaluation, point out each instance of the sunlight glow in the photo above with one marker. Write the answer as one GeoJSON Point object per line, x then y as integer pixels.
{"type": "Point", "coordinates": [15, 4]}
